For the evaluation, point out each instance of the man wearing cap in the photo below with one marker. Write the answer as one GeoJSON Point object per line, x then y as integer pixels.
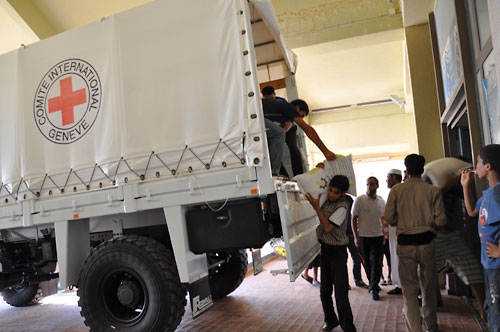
{"type": "Point", "coordinates": [416, 209]}
{"type": "Point", "coordinates": [277, 114]}
{"type": "Point", "coordinates": [394, 176]}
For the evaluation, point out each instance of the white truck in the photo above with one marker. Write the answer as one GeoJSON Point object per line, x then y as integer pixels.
{"type": "Point", "coordinates": [134, 158]}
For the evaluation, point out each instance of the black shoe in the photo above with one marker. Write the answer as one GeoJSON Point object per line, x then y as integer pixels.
{"type": "Point", "coordinates": [361, 284]}
{"type": "Point", "coordinates": [308, 279]}
{"type": "Point", "coordinates": [395, 291]}
{"type": "Point", "coordinates": [375, 296]}
{"type": "Point", "coordinates": [328, 327]}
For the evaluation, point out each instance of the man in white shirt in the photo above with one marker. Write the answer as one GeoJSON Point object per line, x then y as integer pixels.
{"type": "Point", "coordinates": [367, 225]}
{"type": "Point", "coordinates": [394, 177]}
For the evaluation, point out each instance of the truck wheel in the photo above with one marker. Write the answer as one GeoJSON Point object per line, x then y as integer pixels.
{"type": "Point", "coordinates": [131, 284]}
{"type": "Point", "coordinates": [22, 296]}
{"type": "Point", "coordinates": [226, 277]}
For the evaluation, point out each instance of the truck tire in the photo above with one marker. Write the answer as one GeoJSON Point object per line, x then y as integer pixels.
{"type": "Point", "coordinates": [131, 284]}
{"type": "Point", "coordinates": [22, 296]}
{"type": "Point", "coordinates": [226, 277]}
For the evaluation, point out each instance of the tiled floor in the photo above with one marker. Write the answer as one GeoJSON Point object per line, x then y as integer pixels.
{"type": "Point", "coordinates": [261, 303]}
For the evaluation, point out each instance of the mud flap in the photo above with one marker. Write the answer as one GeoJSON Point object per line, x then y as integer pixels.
{"type": "Point", "coordinates": [299, 222]}
{"type": "Point", "coordinates": [200, 297]}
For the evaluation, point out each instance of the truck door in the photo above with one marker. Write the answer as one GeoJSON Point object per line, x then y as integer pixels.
{"type": "Point", "coordinates": [299, 222]}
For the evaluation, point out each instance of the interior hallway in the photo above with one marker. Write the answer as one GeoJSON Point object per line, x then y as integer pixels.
{"type": "Point", "coordinates": [261, 303]}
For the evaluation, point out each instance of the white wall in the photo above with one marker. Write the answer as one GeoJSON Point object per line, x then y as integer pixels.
{"type": "Point", "coordinates": [378, 131]}
{"type": "Point", "coordinates": [379, 170]}
{"type": "Point", "coordinates": [13, 30]}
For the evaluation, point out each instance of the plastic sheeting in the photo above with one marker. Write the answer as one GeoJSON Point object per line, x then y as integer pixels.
{"type": "Point", "coordinates": [169, 84]}
{"type": "Point", "coordinates": [266, 11]}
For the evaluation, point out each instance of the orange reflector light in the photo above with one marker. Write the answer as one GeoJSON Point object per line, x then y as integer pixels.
{"type": "Point", "coordinates": [75, 216]}
{"type": "Point", "coordinates": [254, 191]}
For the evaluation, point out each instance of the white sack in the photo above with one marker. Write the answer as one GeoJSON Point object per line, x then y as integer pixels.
{"type": "Point", "coordinates": [316, 181]}
{"type": "Point", "coordinates": [437, 171]}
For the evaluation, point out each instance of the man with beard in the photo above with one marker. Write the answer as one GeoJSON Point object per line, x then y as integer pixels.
{"type": "Point", "coordinates": [393, 178]}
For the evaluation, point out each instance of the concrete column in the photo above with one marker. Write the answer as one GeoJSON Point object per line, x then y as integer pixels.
{"type": "Point", "coordinates": [423, 83]}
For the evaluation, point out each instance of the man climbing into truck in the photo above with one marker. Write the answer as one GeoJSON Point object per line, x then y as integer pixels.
{"type": "Point", "coordinates": [282, 112]}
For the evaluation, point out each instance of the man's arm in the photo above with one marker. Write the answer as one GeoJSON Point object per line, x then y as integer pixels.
{"type": "Point", "coordinates": [327, 226]}
{"type": "Point", "coordinates": [390, 213]}
{"type": "Point", "coordinates": [313, 136]}
{"type": "Point", "coordinates": [439, 212]}
{"type": "Point", "coordinates": [355, 230]}
{"type": "Point", "coordinates": [469, 201]}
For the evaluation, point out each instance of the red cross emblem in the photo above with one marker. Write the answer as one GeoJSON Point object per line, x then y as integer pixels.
{"type": "Point", "coordinates": [67, 101]}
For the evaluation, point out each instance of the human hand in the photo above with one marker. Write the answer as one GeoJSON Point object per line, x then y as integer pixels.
{"type": "Point", "coordinates": [287, 126]}
{"type": "Point", "coordinates": [466, 177]}
{"type": "Point", "coordinates": [320, 165]}
{"type": "Point", "coordinates": [493, 250]}
{"type": "Point", "coordinates": [329, 155]}
{"type": "Point", "coordinates": [314, 202]}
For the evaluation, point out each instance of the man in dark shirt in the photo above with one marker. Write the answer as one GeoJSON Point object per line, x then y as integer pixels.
{"type": "Point", "coordinates": [291, 133]}
{"type": "Point", "coordinates": [277, 113]}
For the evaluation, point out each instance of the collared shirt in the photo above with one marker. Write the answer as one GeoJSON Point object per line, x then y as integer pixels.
{"type": "Point", "coordinates": [415, 207]}
{"type": "Point", "coordinates": [370, 212]}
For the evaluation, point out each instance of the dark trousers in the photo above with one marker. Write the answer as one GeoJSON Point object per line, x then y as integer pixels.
{"type": "Point", "coordinates": [356, 259]}
{"type": "Point", "coordinates": [371, 253]}
{"type": "Point", "coordinates": [295, 156]}
{"type": "Point", "coordinates": [334, 275]}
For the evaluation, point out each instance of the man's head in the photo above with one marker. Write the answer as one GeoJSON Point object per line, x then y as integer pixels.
{"type": "Point", "coordinates": [371, 186]}
{"type": "Point", "coordinates": [414, 164]}
{"type": "Point", "coordinates": [337, 187]}
{"type": "Point", "coordinates": [301, 107]}
{"type": "Point", "coordinates": [488, 160]}
{"type": "Point", "coordinates": [393, 177]}
{"type": "Point", "coordinates": [268, 92]}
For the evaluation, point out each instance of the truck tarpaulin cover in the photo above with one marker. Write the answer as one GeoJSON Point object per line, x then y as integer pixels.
{"type": "Point", "coordinates": [166, 85]}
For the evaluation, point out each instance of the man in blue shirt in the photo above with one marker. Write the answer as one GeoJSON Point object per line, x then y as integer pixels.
{"type": "Point", "coordinates": [488, 210]}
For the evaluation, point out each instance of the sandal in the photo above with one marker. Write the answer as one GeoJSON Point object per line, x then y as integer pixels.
{"type": "Point", "coordinates": [308, 279]}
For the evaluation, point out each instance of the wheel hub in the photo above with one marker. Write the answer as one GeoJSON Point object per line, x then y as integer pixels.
{"type": "Point", "coordinates": [129, 294]}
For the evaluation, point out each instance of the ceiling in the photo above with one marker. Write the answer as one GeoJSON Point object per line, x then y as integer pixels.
{"type": "Point", "coordinates": [64, 15]}
{"type": "Point", "coordinates": [351, 71]}
{"type": "Point", "coordinates": [416, 11]}
{"type": "Point", "coordinates": [312, 22]}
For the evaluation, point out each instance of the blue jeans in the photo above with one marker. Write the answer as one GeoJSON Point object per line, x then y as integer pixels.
{"type": "Point", "coordinates": [492, 299]}
{"type": "Point", "coordinates": [276, 141]}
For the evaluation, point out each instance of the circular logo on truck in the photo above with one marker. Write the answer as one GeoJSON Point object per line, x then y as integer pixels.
{"type": "Point", "coordinates": [67, 101]}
